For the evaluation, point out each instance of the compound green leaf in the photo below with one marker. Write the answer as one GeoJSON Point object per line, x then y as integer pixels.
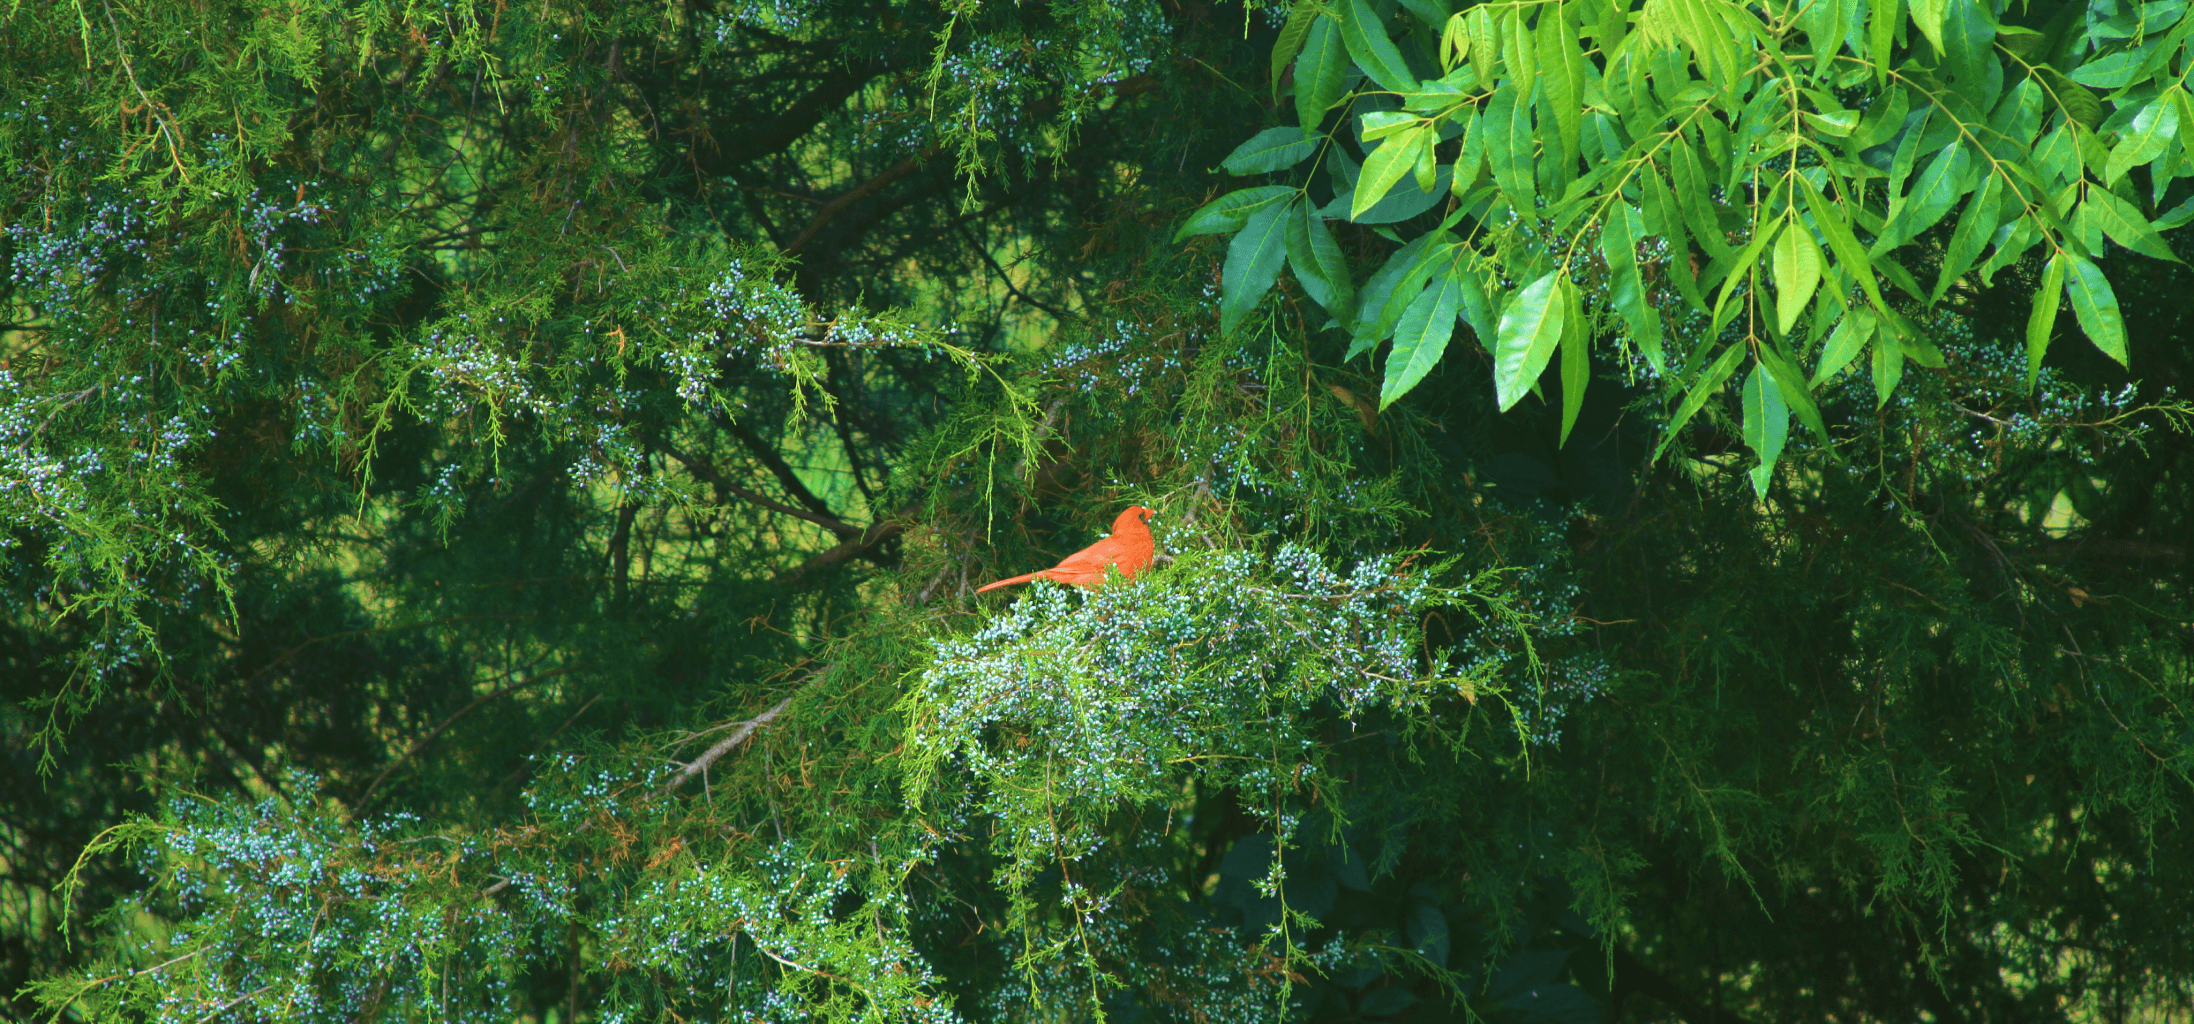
{"type": "Point", "coordinates": [1232, 211]}
{"type": "Point", "coordinates": [1320, 72]}
{"type": "Point", "coordinates": [1626, 287]}
{"type": "Point", "coordinates": [1317, 261]}
{"type": "Point", "coordinates": [1844, 344]}
{"type": "Point", "coordinates": [2041, 323]}
{"type": "Point", "coordinates": [1766, 424]}
{"type": "Point", "coordinates": [1790, 381]}
{"type": "Point", "coordinates": [1395, 156]}
{"type": "Point", "coordinates": [1421, 336]}
{"type": "Point", "coordinates": [1576, 358]}
{"type": "Point", "coordinates": [1562, 87]}
{"type": "Point", "coordinates": [2125, 225]}
{"type": "Point", "coordinates": [1947, 177]}
{"type": "Point", "coordinates": [1530, 328]}
{"type": "Point", "coordinates": [1797, 271]}
{"type": "Point", "coordinates": [2152, 131]}
{"type": "Point", "coordinates": [1367, 42]}
{"type": "Point", "coordinates": [1889, 367]}
{"type": "Point", "coordinates": [1509, 144]}
{"type": "Point", "coordinates": [1701, 390]}
{"type": "Point", "coordinates": [1253, 262]}
{"type": "Point", "coordinates": [1284, 48]}
{"type": "Point", "coordinates": [1974, 227]}
{"type": "Point", "coordinates": [1270, 150]}
{"type": "Point", "coordinates": [2096, 306]}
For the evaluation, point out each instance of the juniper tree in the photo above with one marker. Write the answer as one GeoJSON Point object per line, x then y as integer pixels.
{"type": "Point", "coordinates": [495, 497]}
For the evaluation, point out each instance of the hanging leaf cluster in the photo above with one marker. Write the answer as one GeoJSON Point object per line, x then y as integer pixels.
{"type": "Point", "coordinates": [1781, 169]}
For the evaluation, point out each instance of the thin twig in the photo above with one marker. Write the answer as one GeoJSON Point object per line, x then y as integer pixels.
{"type": "Point", "coordinates": [724, 746]}
{"type": "Point", "coordinates": [42, 424]}
{"type": "Point", "coordinates": [430, 737]}
{"type": "Point", "coordinates": [832, 209]}
{"type": "Point", "coordinates": [701, 468]}
{"type": "Point", "coordinates": [1015, 290]}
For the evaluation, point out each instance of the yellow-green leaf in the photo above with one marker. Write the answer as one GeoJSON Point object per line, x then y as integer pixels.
{"type": "Point", "coordinates": [1797, 272]}
{"type": "Point", "coordinates": [1396, 156]}
{"type": "Point", "coordinates": [2042, 321]}
{"type": "Point", "coordinates": [1530, 328]}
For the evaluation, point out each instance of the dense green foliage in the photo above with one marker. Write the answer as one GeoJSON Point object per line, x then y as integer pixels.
{"type": "Point", "coordinates": [1808, 144]}
{"type": "Point", "coordinates": [493, 500]}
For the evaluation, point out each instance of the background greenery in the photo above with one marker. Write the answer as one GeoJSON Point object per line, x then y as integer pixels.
{"type": "Point", "coordinates": [494, 495]}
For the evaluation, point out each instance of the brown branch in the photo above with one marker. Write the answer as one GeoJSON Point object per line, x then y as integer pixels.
{"type": "Point", "coordinates": [832, 209]}
{"type": "Point", "coordinates": [701, 468]}
{"type": "Point", "coordinates": [726, 745]}
{"type": "Point", "coordinates": [620, 551]}
{"type": "Point", "coordinates": [686, 772]}
{"type": "Point", "coordinates": [421, 743]}
{"type": "Point", "coordinates": [850, 548]}
{"type": "Point", "coordinates": [777, 465]}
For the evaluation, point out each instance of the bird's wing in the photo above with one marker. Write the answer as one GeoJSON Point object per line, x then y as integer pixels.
{"type": "Point", "coordinates": [1135, 555]}
{"type": "Point", "coordinates": [1093, 558]}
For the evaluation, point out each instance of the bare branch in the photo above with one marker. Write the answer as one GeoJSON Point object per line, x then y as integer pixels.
{"type": "Point", "coordinates": [421, 743]}
{"type": "Point", "coordinates": [852, 547]}
{"type": "Point", "coordinates": [724, 746]}
{"type": "Point", "coordinates": [832, 209]}
{"type": "Point", "coordinates": [701, 468]}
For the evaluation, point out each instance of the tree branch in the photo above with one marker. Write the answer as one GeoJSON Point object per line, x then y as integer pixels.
{"type": "Point", "coordinates": [421, 743]}
{"type": "Point", "coordinates": [771, 135]}
{"type": "Point", "coordinates": [701, 468]}
{"type": "Point", "coordinates": [2106, 547]}
{"type": "Point", "coordinates": [832, 209]}
{"type": "Point", "coordinates": [777, 465]}
{"type": "Point", "coordinates": [852, 547]}
{"type": "Point", "coordinates": [1007, 279]}
{"type": "Point", "coordinates": [729, 743]}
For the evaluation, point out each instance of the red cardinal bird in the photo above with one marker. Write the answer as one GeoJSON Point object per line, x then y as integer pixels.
{"type": "Point", "coordinates": [1129, 547]}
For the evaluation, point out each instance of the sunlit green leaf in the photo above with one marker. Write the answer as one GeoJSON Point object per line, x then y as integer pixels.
{"type": "Point", "coordinates": [2096, 306]}
{"type": "Point", "coordinates": [1421, 336]}
{"type": "Point", "coordinates": [2125, 225]}
{"type": "Point", "coordinates": [1888, 365]}
{"type": "Point", "coordinates": [1844, 344]}
{"type": "Point", "coordinates": [1530, 328]}
{"type": "Point", "coordinates": [1766, 424]}
{"type": "Point", "coordinates": [1396, 156]}
{"type": "Point", "coordinates": [1797, 271]}
{"type": "Point", "coordinates": [2153, 130]}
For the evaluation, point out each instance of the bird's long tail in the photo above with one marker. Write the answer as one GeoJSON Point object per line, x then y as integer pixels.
{"type": "Point", "coordinates": [1010, 580]}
